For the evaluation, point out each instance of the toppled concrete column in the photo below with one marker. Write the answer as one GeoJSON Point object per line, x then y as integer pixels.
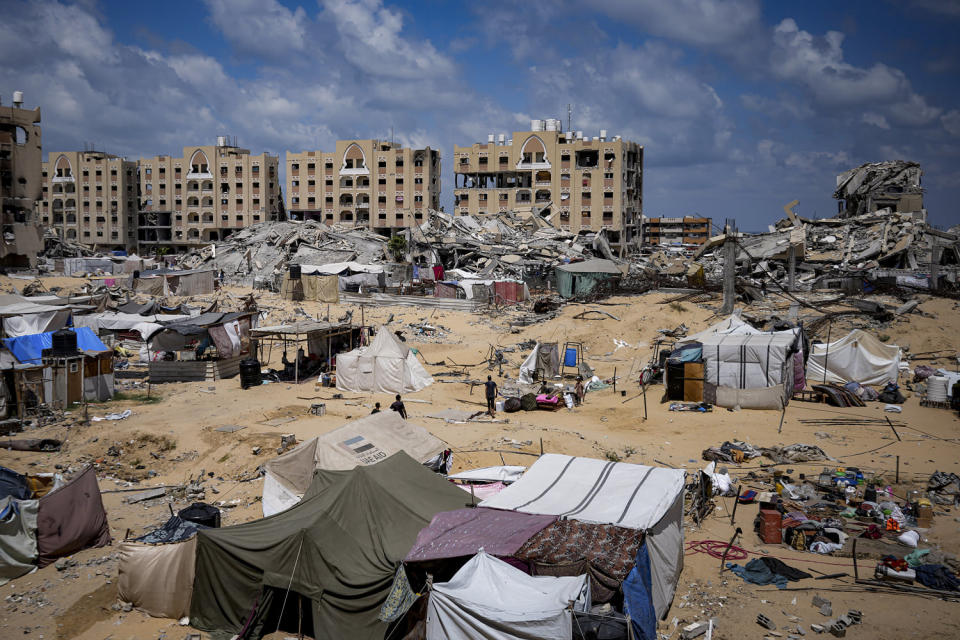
{"type": "Point", "coordinates": [792, 268]}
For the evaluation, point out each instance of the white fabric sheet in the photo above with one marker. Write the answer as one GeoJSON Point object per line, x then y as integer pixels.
{"type": "Point", "coordinates": [857, 357]}
{"type": "Point", "coordinates": [487, 598]}
{"type": "Point", "coordinates": [506, 473]}
{"type": "Point", "coordinates": [748, 361]}
{"type": "Point", "coordinates": [30, 324]}
{"type": "Point", "coordinates": [665, 546]}
{"type": "Point", "coordinates": [335, 268]}
{"type": "Point", "coordinates": [626, 495]}
{"type": "Point", "coordinates": [386, 366]}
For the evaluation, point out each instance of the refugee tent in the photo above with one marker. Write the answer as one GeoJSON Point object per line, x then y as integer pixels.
{"type": "Point", "coordinates": [387, 366]}
{"type": "Point", "coordinates": [158, 578]}
{"type": "Point", "coordinates": [581, 278]}
{"type": "Point", "coordinates": [71, 518]}
{"type": "Point", "coordinates": [857, 357]}
{"type": "Point", "coordinates": [335, 553]}
{"type": "Point", "coordinates": [616, 493]}
{"type": "Point", "coordinates": [29, 349]}
{"type": "Point", "coordinates": [25, 317]}
{"type": "Point", "coordinates": [18, 537]}
{"type": "Point", "coordinates": [362, 442]}
{"type": "Point", "coordinates": [543, 361]}
{"type": "Point", "coordinates": [488, 598]}
{"type": "Point", "coordinates": [317, 287]}
{"type": "Point", "coordinates": [760, 362]}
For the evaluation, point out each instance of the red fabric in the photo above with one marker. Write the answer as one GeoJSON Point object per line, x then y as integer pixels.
{"type": "Point", "coordinates": [438, 272]}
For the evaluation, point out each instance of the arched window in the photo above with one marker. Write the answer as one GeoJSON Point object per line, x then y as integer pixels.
{"type": "Point", "coordinates": [543, 195]}
{"type": "Point", "coordinates": [346, 199]}
{"type": "Point", "coordinates": [199, 164]}
{"type": "Point", "coordinates": [57, 205]}
{"type": "Point", "coordinates": [354, 161]}
{"type": "Point", "coordinates": [71, 234]}
{"type": "Point", "coordinates": [533, 154]}
{"type": "Point", "coordinates": [63, 169]}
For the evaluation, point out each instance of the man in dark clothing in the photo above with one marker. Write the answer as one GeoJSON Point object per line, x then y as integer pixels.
{"type": "Point", "coordinates": [491, 388]}
{"type": "Point", "coordinates": [376, 409]}
{"type": "Point", "coordinates": [399, 408]}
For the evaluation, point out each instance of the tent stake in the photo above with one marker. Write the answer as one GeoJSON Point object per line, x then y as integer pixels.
{"type": "Point", "coordinates": [783, 414]}
{"type": "Point", "coordinates": [733, 515]}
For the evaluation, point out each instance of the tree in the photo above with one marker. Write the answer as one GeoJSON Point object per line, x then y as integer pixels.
{"type": "Point", "coordinates": [398, 247]}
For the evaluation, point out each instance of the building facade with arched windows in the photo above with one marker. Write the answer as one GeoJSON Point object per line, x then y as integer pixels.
{"type": "Point", "coordinates": [21, 156]}
{"type": "Point", "coordinates": [371, 183]}
{"type": "Point", "coordinates": [91, 197]}
{"type": "Point", "coordinates": [579, 183]}
{"type": "Point", "coordinates": [205, 195]}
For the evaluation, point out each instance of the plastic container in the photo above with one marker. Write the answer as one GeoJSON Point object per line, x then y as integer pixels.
{"type": "Point", "coordinates": [64, 343]}
{"type": "Point", "coordinates": [250, 375]}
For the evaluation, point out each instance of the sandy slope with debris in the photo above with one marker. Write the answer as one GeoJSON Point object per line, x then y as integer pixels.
{"type": "Point", "coordinates": [176, 439]}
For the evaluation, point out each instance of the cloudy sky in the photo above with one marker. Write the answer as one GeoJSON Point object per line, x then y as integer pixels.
{"type": "Point", "coordinates": [742, 106]}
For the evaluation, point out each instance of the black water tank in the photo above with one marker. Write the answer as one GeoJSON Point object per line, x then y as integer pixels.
{"type": "Point", "coordinates": [136, 274]}
{"type": "Point", "coordinates": [250, 373]}
{"type": "Point", "coordinates": [201, 513]}
{"type": "Point", "coordinates": [64, 343]}
{"type": "Point", "coordinates": [294, 272]}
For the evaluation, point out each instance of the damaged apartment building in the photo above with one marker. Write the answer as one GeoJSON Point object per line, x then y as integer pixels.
{"type": "Point", "coordinates": [374, 184]}
{"type": "Point", "coordinates": [205, 195]}
{"type": "Point", "coordinates": [577, 182]}
{"type": "Point", "coordinates": [21, 238]}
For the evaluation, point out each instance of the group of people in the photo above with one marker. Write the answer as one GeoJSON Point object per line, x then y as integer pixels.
{"type": "Point", "coordinates": [397, 406]}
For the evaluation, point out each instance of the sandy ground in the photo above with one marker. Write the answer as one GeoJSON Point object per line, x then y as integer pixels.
{"type": "Point", "coordinates": [179, 430]}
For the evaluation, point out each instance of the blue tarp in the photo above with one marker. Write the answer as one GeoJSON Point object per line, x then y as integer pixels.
{"type": "Point", "coordinates": [570, 357]}
{"type": "Point", "coordinates": [28, 349]}
{"type": "Point", "coordinates": [638, 597]}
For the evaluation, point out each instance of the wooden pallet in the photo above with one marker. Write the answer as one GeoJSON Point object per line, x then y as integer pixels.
{"type": "Point", "coordinates": [809, 396]}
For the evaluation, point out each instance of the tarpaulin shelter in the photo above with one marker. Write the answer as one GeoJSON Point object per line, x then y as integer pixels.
{"type": "Point", "coordinates": [164, 282]}
{"type": "Point", "coordinates": [857, 357]}
{"type": "Point", "coordinates": [581, 278]}
{"type": "Point", "coordinates": [25, 318]}
{"type": "Point", "coordinates": [18, 537]}
{"type": "Point", "coordinates": [71, 518]}
{"type": "Point", "coordinates": [488, 598]}
{"type": "Point", "coordinates": [615, 493]}
{"type": "Point", "coordinates": [323, 341]}
{"type": "Point", "coordinates": [362, 442]}
{"type": "Point", "coordinates": [335, 553]}
{"type": "Point", "coordinates": [752, 361]}
{"type": "Point", "coordinates": [158, 578]}
{"type": "Point", "coordinates": [316, 287]}
{"type": "Point", "coordinates": [544, 361]}
{"type": "Point", "coordinates": [29, 349]}
{"type": "Point", "coordinates": [387, 366]}
{"type": "Point", "coordinates": [453, 534]}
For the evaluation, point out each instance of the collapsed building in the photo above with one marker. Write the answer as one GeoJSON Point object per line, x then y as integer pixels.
{"type": "Point", "coordinates": [893, 185]}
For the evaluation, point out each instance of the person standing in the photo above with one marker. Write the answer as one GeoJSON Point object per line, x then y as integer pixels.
{"type": "Point", "coordinates": [579, 391]}
{"type": "Point", "coordinates": [491, 388]}
{"type": "Point", "coordinates": [399, 408]}
{"type": "Point", "coordinates": [376, 409]}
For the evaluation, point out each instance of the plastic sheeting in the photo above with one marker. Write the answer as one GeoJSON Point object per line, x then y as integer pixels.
{"type": "Point", "coordinates": [505, 473]}
{"type": "Point", "coordinates": [749, 360]}
{"type": "Point", "coordinates": [386, 366]}
{"type": "Point", "coordinates": [638, 598]}
{"type": "Point", "coordinates": [28, 349]}
{"type": "Point", "coordinates": [71, 518]}
{"type": "Point", "coordinates": [545, 356]}
{"type": "Point", "coordinates": [626, 495]}
{"type": "Point", "coordinates": [857, 357]}
{"type": "Point", "coordinates": [158, 578]}
{"type": "Point", "coordinates": [50, 319]}
{"type": "Point", "coordinates": [487, 598]}
{"type": "Point", "coordinates": [358, 443]}
{"type": "Point", "coordinates": [18, 537]}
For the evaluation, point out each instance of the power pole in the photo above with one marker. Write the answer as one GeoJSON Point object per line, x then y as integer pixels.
{"type": "Point", "coordinates": [792, 268]}
{"type": "Point", "coordinates": [729, 268]}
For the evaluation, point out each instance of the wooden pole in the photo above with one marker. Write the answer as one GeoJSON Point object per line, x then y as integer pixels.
{"type": "Point", "coordinates": [733, 516]}
{"type": "Point", "coordinates": [614, 380]}
{"type": "Point", "coordinates": [783, 414]}
{"type": "Point", "coordinates": [898, 470]}
{"type": "Point", "coordinates": [826, 357]}
{"type": "Point", "coordinates": [644, 386]}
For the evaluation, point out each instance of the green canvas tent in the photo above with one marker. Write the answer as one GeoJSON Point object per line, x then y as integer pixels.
{"type": "Point", "coordinates": [326, 564]}
{"type": "Point", "coordinates": [580, 278]}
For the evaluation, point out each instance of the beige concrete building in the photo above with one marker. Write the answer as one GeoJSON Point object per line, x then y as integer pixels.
{"type": "Point", "coordinates": [90, 197]}
{"type": "Point", "coordinates": [205, 195]}
{"type": "Point", "coordinates": [21, 156]}
{"type": "Point", "coordinates": [372, 183]}
{"type": "Point", "coordinates": [686, 230]}
{"type": "Point", "coordinates": [583, 183]}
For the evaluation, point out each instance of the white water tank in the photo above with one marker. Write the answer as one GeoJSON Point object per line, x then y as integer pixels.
{"type": "Point", "coordinates": [937, 389]}
{"type": "Point", "coordinates": [579, 135]}
{"type": "Point", "coordinates": [552, 124]}
{"type": "Point", "coordinates": [17, 98]}
{"type": "Point", "coordinates": [489, 137]}
{"type": "Point", "coordinates": [221, 141]}
{"type": "Point", "coordinates": [603, 135]}
{"type": "Point", "coordinates": [502, 138]}
{"type": "Point", "coordinates": [535, 125]}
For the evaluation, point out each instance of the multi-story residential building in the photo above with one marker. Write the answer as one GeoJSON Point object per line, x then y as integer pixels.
{"type": "Point", "coordinates": [583, 183]}
{"type": "Point", "coordinates": [205, 195]}
{"type": "Point", "coordinates": [21, 239]}
{"type": "Point", "coordinates": [688, 230]}
{"type": "Point", "coordinates": [90, 197]}
{"type": "Point", "coordinates": [373, 183]}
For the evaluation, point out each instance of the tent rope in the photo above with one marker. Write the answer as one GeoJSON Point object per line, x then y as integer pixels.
{"type": "Point", "coordinates": [289, 584]}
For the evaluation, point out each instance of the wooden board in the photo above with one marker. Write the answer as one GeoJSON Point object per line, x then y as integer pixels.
{"type": "Point", "coordinates": [693, 382]}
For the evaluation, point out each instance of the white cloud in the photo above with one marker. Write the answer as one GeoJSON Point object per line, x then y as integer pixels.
{"type": "Point", "coordinates": [876, 120]}
{"type": "Point", "coordinates": [782, 106]}
{"type": "Point", "coordinates": [951, 122]}
{"type": "Point", "coordinates": [261, 27]}
{"type": "Point", "coordinates": [708, 23]}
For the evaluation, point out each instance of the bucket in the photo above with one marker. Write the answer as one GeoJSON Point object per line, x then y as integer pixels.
{"type": "Point", "coordinates": [250, 373]}
{"type": "Point", "coordinates": [623, 393]}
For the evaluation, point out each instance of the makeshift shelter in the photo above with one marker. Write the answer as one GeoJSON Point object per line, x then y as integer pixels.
{"type": "Point", "coordinates": [762, 363]}
{"type": "Point", "coordinates": [71, 518]}
{"type": "Point", "coordinates": [359, 443]}
{"type": "Point", "coordinates": [462, 533]}
{"type": "Point", "coordinates": [158, 578]}
{"type": "Point", "coordinates": [316, 287]}
{"type": "Point", "coordinates": [581, 278]}
{"type": "Point", "coordinates": [387, 366]}
{"type": "Point", "coordinates": [857, 357]}
{"type": "Point", "coordinates": [634, 496]}
{"type": "Point", "coordinates": [542, 363]}
{"type": "Point", "coordinates": [29, 349]}
{"type": "Point", "coordinates": [18, 537]}
{"type": "Point", "coordinates": [209, 346]}
{"type": "Point", "coordinates": [332, 556]}
{"type": "Point", "coordinates": [162, 282]}
{"type": "Point", "coordinates": [323, 343]}
{"type": "Point", "coordinates": [26, 318]}
{"type": "Point", "coordinates": [488, 598]}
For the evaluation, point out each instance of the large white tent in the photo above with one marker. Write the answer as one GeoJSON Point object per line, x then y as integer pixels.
{"type": "Point", "coordinates": [627, 495]}
{"type": "Point", "coordinates": [387, 366]}
{"type": "Point", "coordinates": [488, 598]}
{"type": "Point", "coordinates": [359, 443]}
{"type": "Point", "coordinates": [857, 357]}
